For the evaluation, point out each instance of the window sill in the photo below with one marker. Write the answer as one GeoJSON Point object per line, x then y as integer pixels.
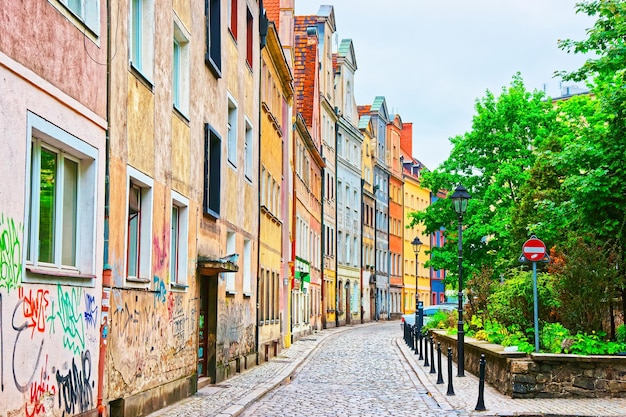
{"type": "Point", "coordinates": [142, 78]}
{"type": "Point", "coordinates": [231, 293]}
{"type": "Point", "coordinates": [211, 213]}
{"type": "Point", "coordinates": [213, 67]}
{"type": "Point", "coordinates": [247, 294]}
{"type": "Point", "coordinates": [54, 272]}
{"type": "Point", "coordinates": [138, 280]}
{"type": "Point", "coordinates": [179, 113]}
{"type": "Point", "coordinates": [179, 287]}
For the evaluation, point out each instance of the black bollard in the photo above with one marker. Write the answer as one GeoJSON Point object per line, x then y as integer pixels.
{"type": "Point", "coordinates": [426, 363]}
{"type": "Point", "coordinates": [415, 337]}
{"type": "Point", "coordinates": [432, 356]}
{"type": "Point", "coordinates": [439, 374]}
{"type": "Point", "coordinates": [480, 405]}
{"type": "Point", "coordinates": [421, 347]}
{"type": "Point", "coordinates": [450, 388]}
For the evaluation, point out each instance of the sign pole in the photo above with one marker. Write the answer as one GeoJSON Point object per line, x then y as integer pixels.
{"type": "Point", "coordinates": [534, 250]}
{"type": "Point", "coordinates": [536, 307]}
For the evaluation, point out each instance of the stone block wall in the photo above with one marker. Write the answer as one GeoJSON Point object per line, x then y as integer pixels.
{"type": "Point", "coordinates": [539, 375]}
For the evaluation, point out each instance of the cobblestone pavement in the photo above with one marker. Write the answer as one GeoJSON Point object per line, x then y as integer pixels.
{"type": "Point", "coordinates": [364, 370]}
{"type": "Point", "coordinates": [357, 373]}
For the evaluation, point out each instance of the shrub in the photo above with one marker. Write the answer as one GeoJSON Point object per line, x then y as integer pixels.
{"type": "Point", "coordinates": [620, 333]}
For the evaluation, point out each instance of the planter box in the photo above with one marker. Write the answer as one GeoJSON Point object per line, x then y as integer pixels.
{"type": "Point", "coordinates": [542, 375]}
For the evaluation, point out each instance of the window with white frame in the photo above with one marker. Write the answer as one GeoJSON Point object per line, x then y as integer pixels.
{"type": "Point", "coordinates": [230, 276]}
{"type": "Point", "coordinates": [179, 233]}
{"type": "Point", "coordinates": [247, 151]}
{"type": "Point", "coordinates": [180, 70]}
{"type": "Point", "coordinates": [61, 202]}
{"type": "Point", "coordinates": [86, 11]}
{"type": "Point", "coordinates": [232, 132]}
{"type": "Point", "coordinates": [141, 35]}
{"type": "Point", "coordinates": [139, 226]}
{"type": "Point", "coordinates": [247, 267]}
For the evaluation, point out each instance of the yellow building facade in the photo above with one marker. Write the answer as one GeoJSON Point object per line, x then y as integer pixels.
{"type": "Point", "coordinates": [276, 102]}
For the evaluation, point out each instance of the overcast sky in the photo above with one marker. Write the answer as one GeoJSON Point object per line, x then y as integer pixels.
{"type": "Point", "coordinates": [431, 59]}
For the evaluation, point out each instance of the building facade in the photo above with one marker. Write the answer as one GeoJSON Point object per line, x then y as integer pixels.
{"type": "Point", "coordinates": [349, 144]}
{"type": "Point", "coordinates": [53, 110]}
{"type": "Point", "coordinates": [368, 210]}
{"type": "Point", "coordinates": [276, 103]}
{"type": "Point", "coordinates": [396, 217]}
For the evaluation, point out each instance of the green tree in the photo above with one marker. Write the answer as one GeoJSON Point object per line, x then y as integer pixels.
{"type": "Point", "coordinates": [492, 161]}
{"type": "Point", "coordinates": [597, 190]}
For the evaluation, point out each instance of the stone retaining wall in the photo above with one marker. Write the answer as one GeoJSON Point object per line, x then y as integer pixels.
{"type": "Point", "coordinates": [540, 375]}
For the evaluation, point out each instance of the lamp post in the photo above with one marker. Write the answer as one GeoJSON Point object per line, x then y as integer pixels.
{"type": "Point", "coordinates": [460, 198]}
{"type": "Point", "coordinates": [417, 245]}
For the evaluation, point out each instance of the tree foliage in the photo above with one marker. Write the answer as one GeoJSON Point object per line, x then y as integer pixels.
{"type": "Point", "coordinates": [554, 168]}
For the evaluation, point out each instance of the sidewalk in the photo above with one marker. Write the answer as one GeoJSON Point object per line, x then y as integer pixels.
{"type": "Point", "coordinates": [230, 397]}
{"type": "Point", "coordinates": [497, 404]}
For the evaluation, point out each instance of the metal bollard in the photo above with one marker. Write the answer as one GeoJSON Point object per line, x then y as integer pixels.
{"type": "Point", "coordinates": [432, 355]}
{"type": "Point", "coordinates": [450, 388]}
{"type": "Point", "coordinates": [439, 375]}
{"type": "Point", "coordinates": [426, 363]}
{"type": "Point", "coordinates": [480, 405]}
{"type": "Point", "coordinates": [415, 337]}
{"type": "Point", "coordinates": [421, 347]}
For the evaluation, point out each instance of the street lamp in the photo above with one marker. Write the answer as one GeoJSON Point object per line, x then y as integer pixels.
{"type": "Point", "coordinates": [417, 245]}
{"type": "Point", "coordinates": [460, 198]}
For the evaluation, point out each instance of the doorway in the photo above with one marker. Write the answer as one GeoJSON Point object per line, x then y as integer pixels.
{"type": "Point", "coordinates": [207, 328]}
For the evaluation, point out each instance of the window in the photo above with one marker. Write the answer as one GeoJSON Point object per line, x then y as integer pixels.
{"type": "Point", "coordinates": [247, 267]}
{"type": "Point", "coordinates": [86, 11]}
{"type": "Point", "coordinates": [230, 276]}
{"type": "Point", "coordinates": [232, 132]}
{"type": "Point", "coordinates": [179, 233]}
{"type": "Point", "coordinates": [249, 37]}
{"type": "Point", "coordinates": [213, 57]}
{"type": "Point", "coordinates": [61, 202]}
{"type": "Point", "coordinates": [212, 171]}
{"type": "Point", "coordinates": [247, 151]}
{"type": "Point", "coordinates": [232, 17]}
{"type": "Point", "coordinates": [142, 36]}
{"type": "Point", "coordinates": [180, 70]}
{"type": "Point", "coordinates": [139, 226]}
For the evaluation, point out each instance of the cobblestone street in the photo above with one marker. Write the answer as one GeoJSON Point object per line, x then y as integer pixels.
{"type": "Point", "coordinates": [357, 373]}
{"type": "Point", "coordinates": [365, 370]}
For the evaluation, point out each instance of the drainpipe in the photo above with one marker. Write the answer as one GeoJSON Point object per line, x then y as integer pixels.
{"type": "Point", "coordinates": [263, 27]}
{"type": "Point", "coordinates": [106, 272]}
{"type": "Point", "coordinates": [337, 288]}
{"type": "Point", "coordinates": [323, 246]}
{"type": "Point", "coordinates": [361, 274]}
{"type": "Point", "coordinates": [389, 251]}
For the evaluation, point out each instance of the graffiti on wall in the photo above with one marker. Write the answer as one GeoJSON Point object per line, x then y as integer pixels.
{"type": "Point", "coordinates": [235, 331]}
{"type": "Point", "coordinates": [10, 253]}
{"type": "Point", "coordinates": [31, 335]}
{"type": "Point", "coordinates": [71, 320]}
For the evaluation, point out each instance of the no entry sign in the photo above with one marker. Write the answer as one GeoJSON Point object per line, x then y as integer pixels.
{"type": "Point", "coordinates": [534, 250]}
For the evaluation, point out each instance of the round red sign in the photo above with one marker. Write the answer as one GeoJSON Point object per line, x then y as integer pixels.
{"type": "Point", "coordinates": [534, 249]}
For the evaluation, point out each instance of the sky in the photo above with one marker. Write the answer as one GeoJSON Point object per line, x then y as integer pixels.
{"type": "Point", "coordinates": [432, 59]}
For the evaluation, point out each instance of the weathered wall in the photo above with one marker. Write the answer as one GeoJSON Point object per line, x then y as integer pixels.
{"type": "Point", "coordinates": [49, 326]}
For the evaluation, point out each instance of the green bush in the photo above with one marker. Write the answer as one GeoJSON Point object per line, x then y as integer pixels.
{"type": "Point", "coordinates": [512, 302]}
